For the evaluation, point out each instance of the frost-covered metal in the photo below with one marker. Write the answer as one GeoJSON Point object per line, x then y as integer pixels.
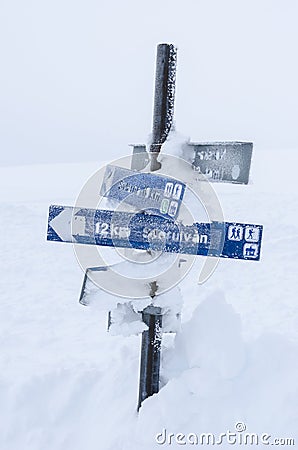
{"type": "Point", "coordinates": [224, 162]}
{"type": "Point", "coordinates": [144, 231]}
{"type": "Point", "coordinates": [150, 353]}
{"type": "Point", "coordinates": [164, 98]}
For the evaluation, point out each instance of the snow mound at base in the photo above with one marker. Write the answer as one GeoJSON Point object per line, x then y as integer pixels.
{"type": "Point", "coordinates": [212, 380]}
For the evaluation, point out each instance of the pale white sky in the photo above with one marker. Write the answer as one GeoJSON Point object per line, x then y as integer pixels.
{"type": "Point", "coordinates": [77, 77]}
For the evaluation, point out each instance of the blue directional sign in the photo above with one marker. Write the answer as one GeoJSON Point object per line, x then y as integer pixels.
{"type": "Point", "coordinates": [146, 231]}
{"type": "Point", "coordinates": [155, 193]}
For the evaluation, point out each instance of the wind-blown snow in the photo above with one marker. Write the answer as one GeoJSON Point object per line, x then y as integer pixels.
{"type": "Point", "coordinates": [65, 383]}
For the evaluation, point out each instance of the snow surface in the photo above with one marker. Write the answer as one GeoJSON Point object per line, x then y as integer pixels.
{"type": "Point", "coordinates": [65, 383]}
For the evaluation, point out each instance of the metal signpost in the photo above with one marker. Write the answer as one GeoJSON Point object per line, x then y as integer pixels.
{"type": "Point", "coordinates": [156, 200]}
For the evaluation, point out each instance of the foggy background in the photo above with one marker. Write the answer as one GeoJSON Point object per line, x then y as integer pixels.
{"type": "Point", "coordinates": [77, 77]}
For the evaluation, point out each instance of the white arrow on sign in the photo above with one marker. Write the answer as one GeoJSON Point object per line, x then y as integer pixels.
{"type": "Point", "coordinates": [61, 224]}
{"type": "Point", "coordinates": [67, 225]}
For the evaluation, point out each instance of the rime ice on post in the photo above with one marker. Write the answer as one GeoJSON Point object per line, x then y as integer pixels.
{"type": "Point", "coordinates": [164, 99]}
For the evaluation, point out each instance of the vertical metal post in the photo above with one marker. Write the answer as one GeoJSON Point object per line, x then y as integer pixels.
{"type": "Point", "coordinates": [164, 98]}
{"type": "Point", "coordinates": [150, 353]}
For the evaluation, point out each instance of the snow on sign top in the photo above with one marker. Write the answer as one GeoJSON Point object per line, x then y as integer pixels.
{"type": "Point", "coordinates": [146, 191]}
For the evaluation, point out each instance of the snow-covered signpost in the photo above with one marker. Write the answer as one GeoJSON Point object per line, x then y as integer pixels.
{"type": "Point", "coordinates": [163, 113]}
{"type": "Point", "coordinates": [150, 217]}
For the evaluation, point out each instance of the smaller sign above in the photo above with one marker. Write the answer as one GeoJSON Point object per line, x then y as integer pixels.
{"type": "Point", "coordinates": [152, 193]}
{"type": "Point", "coordinates": [140, 157]}
{"type": "Point", "coordinates": [222, 161]}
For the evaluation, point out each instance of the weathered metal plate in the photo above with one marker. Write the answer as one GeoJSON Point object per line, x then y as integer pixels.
{"type": "Point", "coordinates": [221, 161]}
